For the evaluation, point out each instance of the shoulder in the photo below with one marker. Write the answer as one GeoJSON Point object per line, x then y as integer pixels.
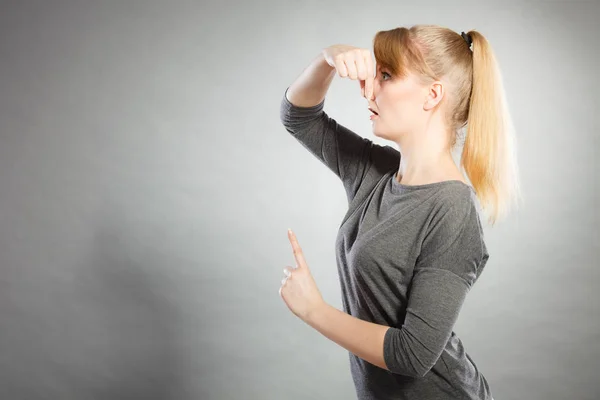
{"type": "Point", "coordinates": [454, 204]}
{"type": "Point", "coordinates": [454, 238]}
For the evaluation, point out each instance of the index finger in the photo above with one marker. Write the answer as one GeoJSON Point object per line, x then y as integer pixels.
{"type": "Point", "coordinates": [370, 73]}
{"type": "Point", "coordinates": [298, 254]}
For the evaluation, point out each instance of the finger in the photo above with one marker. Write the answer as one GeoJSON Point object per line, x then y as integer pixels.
{"type": "Point", "coordinates": [341, 67]}
{"type": "Point", "coordinates": [362, 75]}
{"type": "Point", "coordinates": [298, 254]}
{"type": "Point", "coordinates": [361, 67]}
{"type": "Point", "coordinates": [351, 67]}
{"type": "Point", "coordinates": [370, 73]}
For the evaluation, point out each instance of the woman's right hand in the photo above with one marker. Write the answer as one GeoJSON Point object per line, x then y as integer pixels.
{"type": "Point", "coordinates": [354, 63]}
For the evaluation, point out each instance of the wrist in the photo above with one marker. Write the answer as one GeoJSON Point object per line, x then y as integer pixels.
{"type": "Point", "coordinates": [313, 315]}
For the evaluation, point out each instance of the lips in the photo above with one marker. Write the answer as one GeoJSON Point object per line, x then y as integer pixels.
{"type": "Point", "coordinates": [373, 111]}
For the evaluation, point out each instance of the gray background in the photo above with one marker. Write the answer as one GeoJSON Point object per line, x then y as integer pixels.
{"type": "Point", "coordinates": [146, 185]}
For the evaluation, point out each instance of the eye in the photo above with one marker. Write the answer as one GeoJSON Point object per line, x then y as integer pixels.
{"type": "Point", "coordinates": [385, 73]}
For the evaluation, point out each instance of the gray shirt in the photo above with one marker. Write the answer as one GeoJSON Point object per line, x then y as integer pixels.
{"type": "Point", "coordinates": [407, 255]}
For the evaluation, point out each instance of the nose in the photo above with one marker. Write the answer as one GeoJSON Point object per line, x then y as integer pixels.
{"type": "Point", "coordinates": [371, 102]}
{"type": "Point", "coordinates": [375, 90]}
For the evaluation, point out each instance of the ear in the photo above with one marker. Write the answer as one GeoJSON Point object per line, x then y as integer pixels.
{"type": "Point", "coordinates": [435, 93]}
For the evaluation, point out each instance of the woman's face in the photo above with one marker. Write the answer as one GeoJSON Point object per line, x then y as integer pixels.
{"type": "Point", "coordinates": [399, 103]}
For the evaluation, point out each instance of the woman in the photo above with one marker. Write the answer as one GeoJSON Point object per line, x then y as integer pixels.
{"type": "Point", "coordinates": [411, 244]}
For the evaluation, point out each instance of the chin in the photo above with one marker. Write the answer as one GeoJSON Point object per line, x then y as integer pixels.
{"type": "Point", "coordinates": [378, 133]}
{"type": "Point", "coordinates": [384, 135]}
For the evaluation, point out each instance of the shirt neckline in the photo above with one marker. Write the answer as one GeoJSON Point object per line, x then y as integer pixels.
{"type": "Point", "coordinates": [402, 187]}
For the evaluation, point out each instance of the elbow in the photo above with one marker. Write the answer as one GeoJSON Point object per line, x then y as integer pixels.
{"type": "Point", "coordinates": [400, 359]}
{"type": "Point", "coordinates": [421, 373]}
{"type": "Point", "coordinates": [421, 370]}
{"type": "Point", "coordinates": [284, 112]}
{"type": "Point", "coordinates": [284, 117]}
{"type": "Point", "coordinates": [403, 368]}
{"type": "Point", "coordinates": [410, 372]}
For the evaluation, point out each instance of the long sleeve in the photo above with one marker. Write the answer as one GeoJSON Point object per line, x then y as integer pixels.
{"type": "Point", "coordinates": [453, 254]}
{"type": "Point", "coordinates": [343, 151]}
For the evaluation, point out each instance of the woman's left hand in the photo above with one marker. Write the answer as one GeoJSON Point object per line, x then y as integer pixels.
{"type": "Point", "coordinates": [298, 289]}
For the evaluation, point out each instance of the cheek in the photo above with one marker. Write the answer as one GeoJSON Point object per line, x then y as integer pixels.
{"type": "Point", "coordinates": [398, 105]}
{"type": "Point", "coordinates": [399, 109]}
{"type": "Point", "coordinates": [407, 107]}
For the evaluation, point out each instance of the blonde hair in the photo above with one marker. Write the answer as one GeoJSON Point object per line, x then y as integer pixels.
{"type": "Point", "coordinates": [474, 97]}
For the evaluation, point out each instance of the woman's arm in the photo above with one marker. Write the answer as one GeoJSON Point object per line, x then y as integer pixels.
{"type": "Point", "coordinates": [302, 113]}
{"type": "Point", "coordinates": [310, 88]}
{"type": "Point", "coordinates": [362, 338]}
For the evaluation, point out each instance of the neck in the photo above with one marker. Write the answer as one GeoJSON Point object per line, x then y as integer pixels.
{"type": "Point", "coordinates": [426, 158]}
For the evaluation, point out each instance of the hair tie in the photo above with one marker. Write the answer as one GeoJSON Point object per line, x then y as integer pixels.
{"type": "Point", "coordinates": [467, 38]}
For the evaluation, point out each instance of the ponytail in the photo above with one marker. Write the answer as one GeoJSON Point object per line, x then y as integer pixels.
{"type": "Point", "coordinates": [489, 153]}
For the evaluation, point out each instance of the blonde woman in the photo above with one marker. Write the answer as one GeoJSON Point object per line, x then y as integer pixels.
{"type": "Point", "coordinates": [411, 244]}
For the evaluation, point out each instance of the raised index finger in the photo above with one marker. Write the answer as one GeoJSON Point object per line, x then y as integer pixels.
{"type": "Point", "coordinates": [298, 255]}
{"type": "Point", "coordinates": [370, 78]}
